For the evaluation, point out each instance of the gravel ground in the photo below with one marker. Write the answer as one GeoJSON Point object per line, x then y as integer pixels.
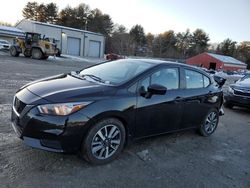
{"type": "Point", "coordinates": [174, 160]}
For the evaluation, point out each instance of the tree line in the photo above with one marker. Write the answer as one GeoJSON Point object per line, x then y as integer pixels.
{"type": "Point", "coordinates": [120, 40]}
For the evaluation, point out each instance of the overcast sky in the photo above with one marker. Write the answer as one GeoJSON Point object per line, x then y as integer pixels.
{"type": "Point", "coordinates": [219, 18]}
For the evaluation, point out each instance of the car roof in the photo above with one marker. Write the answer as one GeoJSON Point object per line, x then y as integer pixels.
{"type": "Point", "coordinates": [163, 62]}
{"type": "Point", "coordinates": [157, 62]}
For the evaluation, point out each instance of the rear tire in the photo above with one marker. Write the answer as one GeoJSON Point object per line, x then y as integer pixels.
{"type": "Point", "coordinates": [210, 123]}
{"type": "Point", "coordinates": [13, 51]}
{"type": "Point", "coordinates": [36, 53]}
{"type": "Point", "coordinates": [58, 54]}
{"type": "Point", "coordinates": [104, 141]}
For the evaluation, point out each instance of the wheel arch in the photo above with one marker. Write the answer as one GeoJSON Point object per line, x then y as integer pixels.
{"type": "Point", "coordinates": [37, 47]}
{"type": "Point", "coordinates": [111, 114]}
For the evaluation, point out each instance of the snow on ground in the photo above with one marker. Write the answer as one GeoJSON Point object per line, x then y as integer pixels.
{"type": "Point", "coordinates": [64, 58]}
{"type": "Point", "coordinates": [225, 75]}
{"type": "Point", "coordinates": [78, 58]}
{"type": "Point", "coordinates": [3, 52]}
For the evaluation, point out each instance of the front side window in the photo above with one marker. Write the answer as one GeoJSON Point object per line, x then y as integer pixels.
{"type": "Point", "coordinates": [196, 80]}
{"type": "Point", "coordinates": [168, 77]}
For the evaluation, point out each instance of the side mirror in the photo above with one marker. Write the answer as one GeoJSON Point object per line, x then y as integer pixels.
{"type": "Point", "coordinates": [156, 89]}
{"type": "Point", "coordinates": [142, 91]}
{"type": "Point", "coordinates": [219, 80]}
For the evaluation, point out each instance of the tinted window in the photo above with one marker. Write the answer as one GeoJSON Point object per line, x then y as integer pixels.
{"type": "Point", "coordinates": [132, 88]}
{"type": "Point", "coordinates": [196, 80]}
{"type": "Point", "coordinates": [168, 77]}
{"type": "Point", "coordinates": [117, 72]}
{"type": "Point", "coordinates": [206, 81]}
{"type": "Point", "coordinates": [146, 82]}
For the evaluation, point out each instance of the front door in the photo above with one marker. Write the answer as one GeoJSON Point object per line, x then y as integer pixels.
{"type": "Point", "coordinates": [159, 113]}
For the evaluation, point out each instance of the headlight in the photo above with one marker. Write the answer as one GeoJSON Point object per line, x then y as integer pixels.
{"type": "Point", "coordinates": [230, 90]}
{"type": "Point", "coordinates": [61, 109]}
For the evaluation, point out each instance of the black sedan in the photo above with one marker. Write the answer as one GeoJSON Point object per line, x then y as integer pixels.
{"type": "Point", "coordinates": [238, 94]}
{"type": "Point", "coordinates": [98, 110]}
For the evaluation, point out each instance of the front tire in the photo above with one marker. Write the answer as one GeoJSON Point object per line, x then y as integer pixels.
{"type": "Point", "coordinates": [104, 141]}
{"type": "Point", "coordinates": [36, 53]}
{"type": "Point", "coordinates": [210, 123]}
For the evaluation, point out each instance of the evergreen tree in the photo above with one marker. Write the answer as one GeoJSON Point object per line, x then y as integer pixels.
{"type": "Point", "coordinates": [199, 42]}
{"type": "Point", "coordinates": [41, 13]}
{"type": "Point", "coordinates": [30, 10]}
{"type": "Point", "coordinates": [138, 38]}
{"type": "Point", "coordinates": [51, 13]}
{"type": "Point", "coordinates": [99, 22]}
{"type": "Point", "coordinates": [138, 35]}
{"type": "Point", "coordinates": [183, 41]}
{"type": "Point", "coordinates": [227, 47]}
{"type": "Point", "coordinates": [67, 17]}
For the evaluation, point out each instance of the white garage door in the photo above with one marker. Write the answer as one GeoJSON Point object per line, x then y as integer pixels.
{"type": "Point", "coordinates": [94, 48]}
{"type": "Point", "coordinates": [73, 46]}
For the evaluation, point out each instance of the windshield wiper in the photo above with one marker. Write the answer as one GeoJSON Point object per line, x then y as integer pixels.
{"type": "Point", "coordinates": [96, 78]}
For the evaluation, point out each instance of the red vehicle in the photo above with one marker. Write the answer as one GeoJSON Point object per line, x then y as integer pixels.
{"type": "Point", "coordinates": [113, 56]}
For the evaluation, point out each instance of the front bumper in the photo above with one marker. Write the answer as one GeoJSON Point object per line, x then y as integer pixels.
{"type": "Point", "coordinates": [237, 100]}
{"type": "Point", "coordinates": [51, 133]}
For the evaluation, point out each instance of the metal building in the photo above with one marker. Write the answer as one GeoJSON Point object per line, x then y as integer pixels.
{"type": "Point", "coordinates": [216, 61]}
{"type": "Point", "coordinates": [9, 33]}
{"type": "Point", "coordinates": [71, 41]}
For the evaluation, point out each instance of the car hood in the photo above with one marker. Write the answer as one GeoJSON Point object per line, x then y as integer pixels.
{"type": "Point", "coordinates": [242, 84]}
{"type": "Point", "coordinates": [66, 88]}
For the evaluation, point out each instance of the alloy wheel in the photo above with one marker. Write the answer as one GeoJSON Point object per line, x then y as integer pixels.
{"type": "Point", "coordinates": [211, 122]}
{"type": "Point", "coordinates": [106, 141]}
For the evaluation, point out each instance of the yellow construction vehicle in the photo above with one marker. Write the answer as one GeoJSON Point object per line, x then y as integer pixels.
{"type": "Point", "coordinates": [33, 46]}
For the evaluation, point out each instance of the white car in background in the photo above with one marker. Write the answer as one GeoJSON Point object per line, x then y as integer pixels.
{"type": "Point", "coordinates": [4, 45]}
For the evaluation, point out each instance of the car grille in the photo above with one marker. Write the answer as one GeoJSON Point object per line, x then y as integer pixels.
{"type": "Point", "coordinates": [19, 105]}
{"type": "Point", "coordinates": [244, 93]}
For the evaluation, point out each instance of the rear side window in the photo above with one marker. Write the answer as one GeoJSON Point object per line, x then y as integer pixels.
{"type": "Point", "coordinates": [206, 81]}
{"type": "Point", "coordinates": [196, 80]}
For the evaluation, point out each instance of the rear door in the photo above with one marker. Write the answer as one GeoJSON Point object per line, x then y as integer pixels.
{"type": "Point", "coordinates": [196, 101]}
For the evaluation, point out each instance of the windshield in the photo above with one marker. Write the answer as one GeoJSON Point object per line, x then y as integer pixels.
{"type": "Point", "coordinates": [246, 78]}
{"type": "Point", "coordinates": [117, 72]}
